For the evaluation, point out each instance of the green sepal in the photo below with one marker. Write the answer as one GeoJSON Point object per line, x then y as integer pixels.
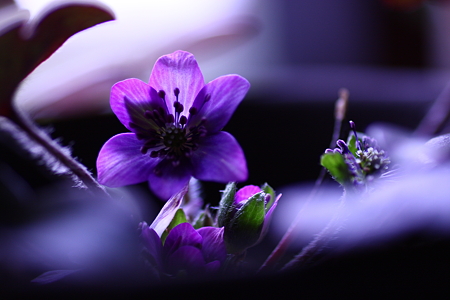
{"type": "Point", "coordinates": [351, 143]}
{"type": "Point", "coordinates": [245, 227]}
{"type": "Point", "coordinates": [226, 204]}
{"type": "Point", "coordinates": [335, 164]}
{"type": "Point", "coordinates": [204, 219]}
{"type": "Point", "coordinates": [180, 217]}
{"type": "Point", "coordinates": [199, 221]}
{"type": "Point", "coordinates": [266, 188]}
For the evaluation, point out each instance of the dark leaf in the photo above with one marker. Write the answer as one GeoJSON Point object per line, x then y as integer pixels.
{"type": "Point", "coordinates": [335, 164]}
{"type": "Point", "coordinates": [23, 46]}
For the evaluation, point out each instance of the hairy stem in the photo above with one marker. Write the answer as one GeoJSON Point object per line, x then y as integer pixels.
{"type": "Point", "coordinates": [57, 152]}
{"type": "Point", "coordinates": [339, 116]}
{"type": "Point", "coordinates": [437, 115]}
{"type": "Point", "coordinates": [321, 240]}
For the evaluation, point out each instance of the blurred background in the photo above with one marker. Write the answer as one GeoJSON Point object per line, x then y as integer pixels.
{"type": "Point", "coordinates": [392, 56]}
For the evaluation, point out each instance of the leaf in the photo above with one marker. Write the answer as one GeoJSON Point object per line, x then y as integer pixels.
{"type": "Point", "coordinates": [245, 227]}
{"type": "Point", "coordinates": [226, 204]}
{"type": "Point", "coordinates": [251, 215]}
{"type": "Point", "coordinates": [25, 45]}
{"type": "Point", "coordinates": [335, 164]}
{"type": "Point", "coordinates": [266, 188]}
{"type": "Point", "coordinates": [351, 143]}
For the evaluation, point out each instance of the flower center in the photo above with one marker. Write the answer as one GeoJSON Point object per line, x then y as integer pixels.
{"type": "Point", "coordinates": [174, 137]}
{"type": "Point", "coordinates": [172, 140]}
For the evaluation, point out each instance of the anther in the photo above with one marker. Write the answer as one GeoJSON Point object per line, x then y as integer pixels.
{"type": "Point", "coordinates": [192, 110]}
{"type": "Point", "coordinates": [178, 107]}
{"type": "Point", "coordinates": [183, 120]}
{"type": "Point", "coordinates": [176, 91]}
{"type": "Point", "coordinates": [170, 118]}
{"type": "Point", "coordinates": [144, 149]}
{"type": "Point", "coordinates": [162, 94]}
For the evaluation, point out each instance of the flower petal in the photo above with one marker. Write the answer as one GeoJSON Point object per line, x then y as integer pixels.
{"type": "Point", "coordinates": [219, 158]}
{"type": "Point", "coordinates": [246, 192]}
{"type": "Point", "coordinates": [225, 94]}
{"type": "Point", "coordinates": [186, 258]}
{"type": "Point", "coordinates": [213, 246]}
{"type": "Point", "coordinates": [168, 211]}
{"type": "Point", "coordinates": [177, 70]}
{"type": "Point", "coordinates": [152, 242]}
{"type": "Point", "coordinates": [182, 235]}
{"type": "Point", "coordinates": [120, 161]}
{"type": "Point", "coordinates": [130, 99]}
{"type": "Point", "coordinates": [212, 267]}
{"type": "Point", "coordinates": [169, 180]}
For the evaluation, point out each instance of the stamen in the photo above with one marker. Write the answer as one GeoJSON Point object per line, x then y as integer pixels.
{"type": "Point", "coordinates": [178, 107]}
{"type": "Point", "coordinates": [183, 120]}
{"type": "Point", "coordinates": [170, 118]}
{"type": "Point", "coordinates": [192, 110]}
{"type": "Point", "coordinates": [353, 127]}
{"type": "Point", "coordinates": [144, 149]}
{"type": "Point", "coordinates": [341, 144]}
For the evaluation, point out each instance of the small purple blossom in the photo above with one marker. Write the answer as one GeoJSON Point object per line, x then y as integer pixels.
{"type": "Point", "coordinates": [196, 252]}
{"type": "Point", "coordinates": [175, 122]}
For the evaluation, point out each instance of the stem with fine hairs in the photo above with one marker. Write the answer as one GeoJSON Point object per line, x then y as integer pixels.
{"type": "Point", "coordinates": [339, 116]}
{"type": "Point", "coordinates": [40, 137]}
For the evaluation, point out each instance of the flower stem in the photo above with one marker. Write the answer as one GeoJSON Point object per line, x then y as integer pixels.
{"type": "Point", "coordinates": [436, 117]}
{"type": "Point", "coordinates": [286, 240]}
{"type": "Point", "coordinates": [319, 242]}
{"type": "Point", "coordinates": [340, 111]}
{"type": "Point", "coordinates": [57, 152]}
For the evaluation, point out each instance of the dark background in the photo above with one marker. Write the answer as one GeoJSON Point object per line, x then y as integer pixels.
{"type": "Point", "coordinates": [284, 130]}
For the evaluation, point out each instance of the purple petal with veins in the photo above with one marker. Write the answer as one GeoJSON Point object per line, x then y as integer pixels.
{"type": "Point", "coordinates": [120, 161]}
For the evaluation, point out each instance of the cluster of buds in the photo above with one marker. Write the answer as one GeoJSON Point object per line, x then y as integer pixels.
{"type": "Point", "coordinates": [181, 242]}
{"type": "Point", "coordinates": [357, 162]}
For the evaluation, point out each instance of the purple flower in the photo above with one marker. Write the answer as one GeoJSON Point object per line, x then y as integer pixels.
{"type": "Point", "coordinates": [175, 122]}
{"type": "Point", "coordinates": [196, 252]}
